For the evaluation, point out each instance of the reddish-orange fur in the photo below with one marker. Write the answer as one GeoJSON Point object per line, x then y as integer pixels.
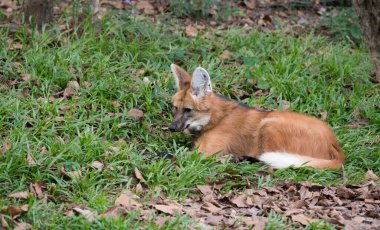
{"type": "Point", "coordinates": [242, 131]}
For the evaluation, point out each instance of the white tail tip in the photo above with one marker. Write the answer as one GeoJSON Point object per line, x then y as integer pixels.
{"type": "Point", "coordinates": [280, 160]}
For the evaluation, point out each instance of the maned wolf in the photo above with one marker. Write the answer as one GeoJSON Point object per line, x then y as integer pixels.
{"type": "Point", "coordinates": [222, 126]}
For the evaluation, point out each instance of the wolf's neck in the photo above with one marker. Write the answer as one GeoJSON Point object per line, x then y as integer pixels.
{"type": "Point", "coordinates": [223, 108]}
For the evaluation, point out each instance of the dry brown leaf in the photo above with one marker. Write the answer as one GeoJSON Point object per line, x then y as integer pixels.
{"type": "Point", "coordinates": [225, 55]}
{"type": "Point", "coordinates": [3, 221]}
{"type": "Point", "coordinates": [191, 31]}
{"type": "Point", "coordinates": [371, 201]}
{"type": "Point", "coordinates": [141, 71]}
{"type": "Point", "coordinates": [370, 175]}
{"type": "Point", "coordinates": [323, 115]}
{"type": "Point", "coordinates": [265, 20]}
{"type": "Point", "coordinates": [146, 81]}
{"type": "Point", "coordinates": [69, 213]}
{"type": "Point", "coordinates": [210, 207]}
{"type": "Point", "coordinates": [116, 104]}
{"type": "Point", "coordinates": [305, 193]}
{"type": "Point", "coordinates": [72, 88]}
{"type": "Point", "coordinates": [239, 201]}
{"type": "Point", "coordinates": [285, 105]}
{"type": "Point", "coordinates": [86, 84]}
{"type": "Point", "coordinates": [122, 125]}
{"type": "Point", "coordinates": [30, 160]}
{"type": "Point", "coordinates": [161, 220]}
{"type": "Point", "coordinates": [64, 108]}
{"type": "Point", "coordinates": [72, 70]}
{"type": "Point", "coordinates": [145, 7]}
{"type": "Point", "coordinates": [139, 189]}
{"type": "Point", "coordinates": [25, 77]}
{"type": "Point", "coordinates": [36, 189]}
{"type": "Point", "coordinates": [359, 219]}
{"type": "Point", "coordinates": [168, 209]}
{"type": "Point", "coordinates": [127, 199]}
{"type": "Point", "coordinates": [19, 195]}
{"type": "Point", "coordinates": [97, 165]}
{"type": "Point", "coordinates": [72, 174]}
{"type": "Point", "coordinates": [136, 114]}
{"type": "Point", "coordinates": [90, 216]}
{"type": "Point", "coordinates": [114, 212]}
{"type": "Point", "coordinates": [16, 46]}
{"type": "Point", "coordinates": [344, 192]}
{"type": "Point", "coordinates": [302, 219]}
{"type": "Point", "coordinates": [23, 226]}
{"type": "Point", "coordinates": [298, 204]}
{"type": "Point", "coordinates": [116, 4]}
{"type": "Point", "coordinates": [214, 220]}
{"type": "Point", "coordinates": [6, 147]}
{"type": "Point", "coordinates": [205, 189]}
{"type": "Point", "coordinates": [291, 212]}
{"type": "Point", "coordinates": [139, 175]}
{"type": "Point", "coordinates": [251, 4]}
{"type": "Point", "coordinates": [16, 211]}
{"type": "Point", "coordinates": [258, 222]}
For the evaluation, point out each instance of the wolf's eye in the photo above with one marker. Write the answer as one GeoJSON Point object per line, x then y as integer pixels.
{"type": "Point", "coordinates": [187, 110]}
{"type": "Point", "coordinates": [175, 108]}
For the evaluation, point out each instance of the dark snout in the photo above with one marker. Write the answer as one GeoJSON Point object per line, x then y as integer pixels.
{"type": "Point", "coordinates": [174, 127]}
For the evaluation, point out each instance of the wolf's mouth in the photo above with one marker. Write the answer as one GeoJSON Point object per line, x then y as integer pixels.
{"type": "Point", "coordinates": [187, 126]}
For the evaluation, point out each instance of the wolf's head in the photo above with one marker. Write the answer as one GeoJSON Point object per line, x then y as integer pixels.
{"type": "Point", "coordinates": [192, 100]}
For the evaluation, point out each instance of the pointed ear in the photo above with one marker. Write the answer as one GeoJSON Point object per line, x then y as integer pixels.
{"type": "Point", "coordinates": [182, 78]}
{"type": "Point", "coordinates": [200, 83]}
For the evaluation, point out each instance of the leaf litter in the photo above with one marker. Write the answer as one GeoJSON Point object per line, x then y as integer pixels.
{"type": "Point", "coordinates": [351, 206]}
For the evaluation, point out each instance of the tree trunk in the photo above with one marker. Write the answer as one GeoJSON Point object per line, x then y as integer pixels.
{"type": "Point", "coordinates": [38, 12]}
{"type": "Point", "coordinates": [369, 15]}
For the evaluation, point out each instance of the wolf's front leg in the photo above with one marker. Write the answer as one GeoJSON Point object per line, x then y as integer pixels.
{"type": "Point", "coordinates": [209, 149]}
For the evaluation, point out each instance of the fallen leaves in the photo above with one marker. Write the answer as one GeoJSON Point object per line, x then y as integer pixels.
{"type": "Point", "coordinates": [23, 226]}
{"type": "Point", "coordinates": [136, 114]}
{"type": "Point", "coordinates": [89, 215]}
{"type": "Point", "coordinates": [97, 165]}
{"type": "Point", "coordinates": [205, 189]}
{"type": "Point", "coordinates": [114, 212]}
{"type": "Point", "coordinates": [370, 175]}
{"type": "Point", "coordinates": [304, 220]}
{"type": "Point", "coordinates": [168, 209]}
{"type": "Point", "coordinates": [19, 195]}
{"type": "Point", "coordinates": [251, 4]}
{"type": "Point", "coordinates": [36, 189]}
{"type": "Point", "coordinates": [25, 77]}
{"type": "Point", "coordinates": [30, 160]}
{"type": "Point", "coordinates": [285, 105]}
{"type": "Point", "coordinates": [15, 211]}
{"type": "Point", "coordinates": [225, 55]}
{"type": "Point", "coordinates": [191, 31]}
{"type": "Point", "coordinates": [240, 201]}
{"type": "Point", "coordinates": [127, 199]}
{"type": "Point", "coordinates": [6, 147]}
{"type": "Point", "coordinates": [71, 174]}
{"type": "Point", "coordinates": [145, 7]}
{"type": "Point", "coordinates": [302, 203]}
{"type": "Point", "coordinates": [71, 89]}
{"type": "Point", "coordinates": [358, 120]}
{"type": "Point", "coordinates": [139, 175]}
{"type": "Point", "coordinates": [3, 221]}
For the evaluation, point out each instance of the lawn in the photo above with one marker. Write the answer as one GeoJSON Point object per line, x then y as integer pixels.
{"type": "Point", "coordinates": [67, 125]}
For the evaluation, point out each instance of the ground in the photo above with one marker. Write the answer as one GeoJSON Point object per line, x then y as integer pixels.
{"type": "Point", "coordinates": [85, 111]}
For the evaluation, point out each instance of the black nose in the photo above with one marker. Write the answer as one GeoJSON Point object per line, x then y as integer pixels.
{"type": "Point", "coordinates": [173, 127]}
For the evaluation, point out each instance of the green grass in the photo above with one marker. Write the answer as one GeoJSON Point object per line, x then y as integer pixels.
{"type": "Point", "coordinates": [312, 73]}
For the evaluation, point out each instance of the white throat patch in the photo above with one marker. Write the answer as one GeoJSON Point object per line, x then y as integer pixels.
{"type": "Point", "coordinates": [197, 125]}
